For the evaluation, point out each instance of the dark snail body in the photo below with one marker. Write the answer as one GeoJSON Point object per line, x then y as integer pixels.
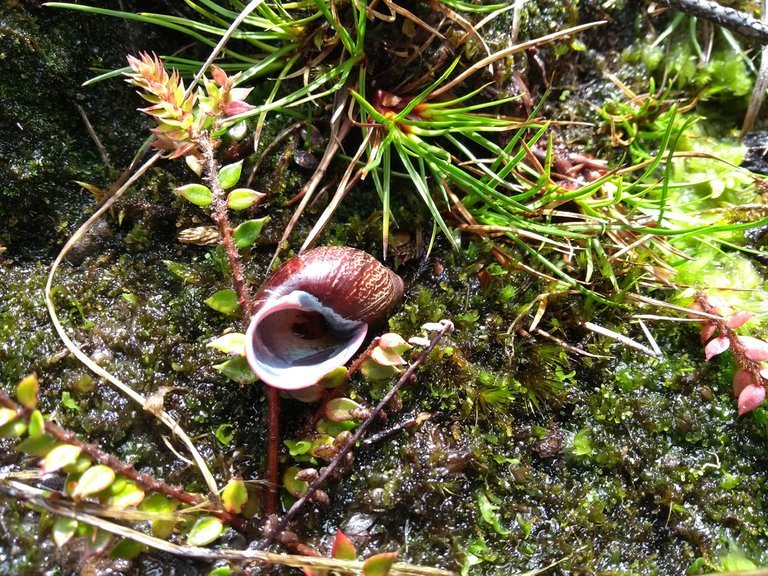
{"type": "Point", "coordinates": [312, 314]}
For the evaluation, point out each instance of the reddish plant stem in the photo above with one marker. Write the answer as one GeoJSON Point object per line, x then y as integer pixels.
{"type": "Point", "coordinates": [220, 216]}
{"type": "Point", "coordinates": [737, 348]}
{"type": "Point", "coordinates": [145, 481]}
{"type": "Point", "coordinates": [339, 457]}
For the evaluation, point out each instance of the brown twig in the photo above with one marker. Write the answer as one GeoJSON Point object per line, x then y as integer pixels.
{"type": "Point", "coordinates": [339, 457]}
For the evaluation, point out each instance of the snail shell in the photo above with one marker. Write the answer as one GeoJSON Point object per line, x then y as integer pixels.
{"type": "Point", "coordinates": [312, 314]}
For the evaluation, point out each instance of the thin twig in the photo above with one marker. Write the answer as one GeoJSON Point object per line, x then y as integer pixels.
{"type": "Point", "coordinates": [447, 326]}
{"type": "Point", "coordinates": [95, 137]}
{"type": "Point", "coordinates": [724, 16]}
{"type": "Point", "coordinates": [38, 498]}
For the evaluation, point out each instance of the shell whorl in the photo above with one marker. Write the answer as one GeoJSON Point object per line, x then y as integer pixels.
{"type": "Point", "coordinates": [312, 314]}
{"type": "Point", "coordinates": [351, 282]}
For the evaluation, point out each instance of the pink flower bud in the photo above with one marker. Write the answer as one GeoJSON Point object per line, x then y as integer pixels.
{"type": "Point", "coordinates": [716, 346]}
{"type": "Point", "coordinates": [754, 349]}
{"type": "Point", "coordinates": [738, 319]}
{"type": "Point", "coordinates": [741, 380]}
{"type": "Point", "coordinates": [750, 398]}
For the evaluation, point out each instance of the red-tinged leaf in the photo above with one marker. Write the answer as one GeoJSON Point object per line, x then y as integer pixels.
{"type": "Point", "coordinates": [219, 76]}
{"type": "Point", "coordinates": [386, 357]}
{"type": "Point", "coordinates": [741, 380]}
{"type": "Point", "coordinates": [750, 398]}
{"type": "Point", "coordinates": [342, 548]}
{"type": "Point", "coordinates": [754, 349]}
{"type": "Point", "coordinates": [739, 319]}
{"type": "Point", "coordinates": [380, 564]}
{"type": "Point", "coordinates": [314, 572]}
{"type": "Point", "coordinates": [234, 497]}
{"type": "Point", "coordinates": [235, 107]}
{"type": "Point", "coordinates": [716, 346]}
{"type": "Point", "coordinates": [707, 331]}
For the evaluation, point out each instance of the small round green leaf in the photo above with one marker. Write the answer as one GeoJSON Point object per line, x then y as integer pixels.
{"type": "Point", "coordinates": [237, 369]}
{"type": "Point", "coordinates": [37, 445]}
{"type": "Point", "coordinates": [126, 549]}
{"type": "Point", "coordinates": [242, 198]}
{"type": "Point", "coordinates": [63, 530]}
{"type": "Point", "coordinates": [94, 480]}
{"type": "Point", "coordinates": [14, 429]}
{"type": "Point", "coordinates": [198, 194]}
{"type": "Point", "coordinates": [338, 409]}
{"type": "Point", "coordinates": [224, 301]}
{"type": "Point", "coordinates": [234, 496]}
{"type": "Point", "coordinates": [230, 174]}
{"type": "Point", "coordinates": [36, 424]}
{"type": "Point", "coordinates": [232, 343]}
{"type": "Point", "coordinates": [247, 232]}
{"type": "Point", "coordinates": [295, 488]}
{"type": "Point", "coordinates": [206, 530]}
{"type": "Point", "coordinates": [7, 415]}
{"type": "Point", "coordinates": [130, 495]}
{"type": "Point", "coordinates": [62, 455]}
{"type": "Point", "coordinates": [27, 390]}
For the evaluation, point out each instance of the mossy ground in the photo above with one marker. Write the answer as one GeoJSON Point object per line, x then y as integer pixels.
{"type": "Point", "coordinates": [533, 454]}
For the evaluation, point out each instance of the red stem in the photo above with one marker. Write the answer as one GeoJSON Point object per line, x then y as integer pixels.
{"type": "Point", "coordinates": [221, 217]}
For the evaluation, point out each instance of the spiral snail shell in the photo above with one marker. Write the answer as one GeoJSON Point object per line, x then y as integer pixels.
{"type": "Point", "coordinates": [312, 314]}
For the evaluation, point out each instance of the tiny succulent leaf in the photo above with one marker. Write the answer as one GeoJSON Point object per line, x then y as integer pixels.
{"type": "Point", "coordinates": [395, 342]}
{"type": "Point", "coordinates": [197, 194]}
{"type": "Point", "coordinates": [224, 301]}
{"type": "Point", "coordinates": [380, 564]}
{"type": "Point", "coordinates": [342, 548]}
{"type": "Point", "coordinates": [232, 343]}
{"type": "Point", "coordinates": [754, 349]}
{"type": "Point", "coordinates": [230, 174]}
{"type": "Point", "coordinates": [37, 445]}
{"type": "Point", "coordinates": [60, 456]}
{"type": "Point", "coordinates": [739, 319]}
{"type": "Point", "coordinates": [234, 497]}
{"type": "Point", "coordinates": [243, 198]}
{"type": "Point", "coordinates": [126, 549]}
{"type": "Point", "coordinates": [63, 530]}
{"type": "Point", "coordinates": [294, 487]}
{"type": "Point", "coordinates": [26, 391]}
{"type": "Point", "coordinates": [93, 481]}
{"type": "Point", "coordinates": [338, 409]}
{"type": "Point", "coordinates": [741, 379]}
{"type": "Point", "coordinates": [716, 346]}
{"type": "Point", "coordinates": [372, 370]}
{"type": "Point", "coordinates": [36, 424]}
{"type": "Point", "coordinates": [247, 232]}
{"type": "Point", "coordinates": [750, 398]}
{"type": "Point", "coordinates": [205, 530]}
{"type": "Point", "coordinates": [707, 331]}
{"type": "Point", "coordinates": [129, 495]}
{"type": "Point", "coordinates": [14, 429]}
{"type": "Point", "coordinates": [7, 415]}
{"type": "Point", "coordinates": [386, 357]}
{"type": "Point", "coordinates": [237, 369]}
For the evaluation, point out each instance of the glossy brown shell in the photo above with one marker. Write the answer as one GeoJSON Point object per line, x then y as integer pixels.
{"type": "Point", "coordinates": [351, 282]}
